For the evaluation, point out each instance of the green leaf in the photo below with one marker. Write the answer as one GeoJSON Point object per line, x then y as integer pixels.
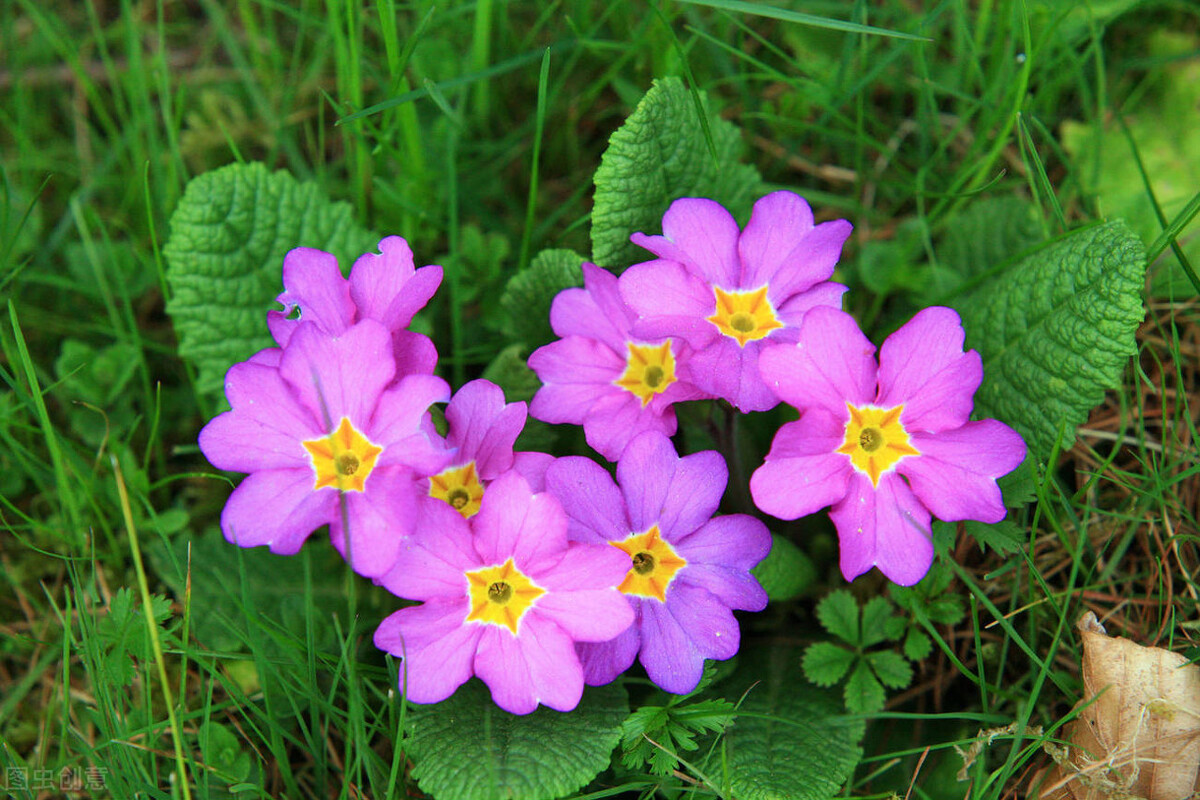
{"type": "Point", "coordinates": [891, 668]}
{"type": "Point", "coordinates": [1003, 537]}
{"type": "Point", "coordinates": [917, 646]}
{"type": "Point", "coordinates": [838, 614]}
{"type": "Point", "coordinates": [228, 237]}
{"type": "Point", "coordinates": [988, 233]}
{"type": "Point", "coordinates": [223, 752]}
{"type": "Point", "coordinates": [825, 663]}
{"type": "Point", "coordinates": [790, 739]}
{"type": "Point", "coordinates": [659, 155]}
{"type": "Point", "coordinates": [657, 734]}
{"type": "Point", "coordinates": [863, 694]}
{"type": "Point", "coordinates": [876, 616]}
{"type": "Point", "coordinates": [787, 571]}
{"type": "Point", "coordinates": [466, 748]}
{"type": "Point", "coordinates": [509, 371]}
{"type": "Point", "coordinates": [1055, 330]}
{"type": "Point", "coordinates": [529, 293]}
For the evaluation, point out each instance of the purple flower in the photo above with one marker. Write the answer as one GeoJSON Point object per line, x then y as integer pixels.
{"type": "Point", "coordinates": [383, 286]}
{"type": "Point", "coordinates": [481, 430]}
{"type": "Point", "coordinates": [326, 424]}
{"type": "Point", "coordinates": [600, 376]}
{"type": "Point", "coordinates": [884, 445]}
{"type": "Point", "coordinates": [729, 293]}
{"type": "Point", "coordinates": [688, 569]}
{"type": "Point", "coordinates": [505, 597]}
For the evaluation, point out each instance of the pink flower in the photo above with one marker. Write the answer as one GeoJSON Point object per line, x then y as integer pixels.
{"type": "Point", "coordinates": [688, 569]}
{"type": "Point", "coordinates": [505, 597]}
{"type": "Point", "coordinates": [884, 445]}
{"type": "Point", "coordinates": [384, 287]}
{"type": "Point", "coordinates": [327, 424]}
{"type": "Point", "coordinates": [730, 293]}
{"type": "Point", "coordinates": [600, 376]}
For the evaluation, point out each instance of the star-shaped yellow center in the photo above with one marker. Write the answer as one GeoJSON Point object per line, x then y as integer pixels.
{"type": "Point", "coordinates": [744, 315]}
{"type": "Point", "coordinates": [343, 459]}
{"type": "Point", "coordinates": [500, 595]}
{"type": "Point", "coordinates": [655, 564]}
{"type": "Point", "coordinates": [875, 440]}
{"type": "Point", "coordinates": [649, 370]}
{"type": "Point", "coordinates": [460, 487]}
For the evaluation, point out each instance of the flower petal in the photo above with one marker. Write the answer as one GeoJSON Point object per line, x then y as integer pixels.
{"type": "Point", "coordinates": [592, 615]}
{"type": "Point", "coordinates": [398, 424]}
{"type": "Point", "coordinates": [737, 541]}
{"type": "Point", "coordinates": [437, 647]}
{"type": "Point", "coordinates": [781, 248]}
{"type": "Point", "coordinates": [415, 353]}
{"type": "Point", "coordinates": [575, 373]}
{"type": "Point", "coordinates": [596, 311]}
{"type": "Point", "coordinates": [702, 236]}
{"type": "Point", "coordinates": [617, 418]}
{"type": "Point", "coordinates": [670, 657]}
{"type": "Point", "coordinates": [705, 620]}
{"type": "Point", "coordinates": [604, 661]}
{"type": "Point", "coordinates": [483, 427]}
{"type": "Point", "coordinates": [431, 564]}
{"type": "Point", "coordinates": [339, 376]}
{"type": "Point", "coordinates": [885, 527]}
{"type": "Point", "coordinates": [385, 287]}
{"type": "Point", "coordinates": [312, 282]}
{"type": "Point", "coordinates": [265, 428]}
{"type": "Point", "coordinates": [379, 521]}
{"type": "Point", "coordinates": [581, 567]}
{"type": "Point", "coordinates": [955, 475]}
{"type": "Point", "coordinates": [923, 366]}
{"type": "Point", "coordinates": [278, 508]}
{"type": "Point", "coordinates": [539, 666]}
{"type": "Point", "coordinates": [791, 313]}
{"type": "Point", "coordinates": [532, 466]}
{"type": "Point", "coordinates": [729, 371]}
{"type": "Point", "coordinates": [832, 364]}
{"type": "Point", "coordinates": [646, 475]}
{"type": "Point", "coordinates": [802, 474]}
{"type": "Point", "coordinates": [514, 522]}
{"type": "Point", "coordinates": [594, 505]}
{"type": "Point", "coordinates": [670, 302]}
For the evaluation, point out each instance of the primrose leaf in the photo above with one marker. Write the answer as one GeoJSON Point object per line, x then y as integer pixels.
{"type": "Point", "coordinates": [466, 748]}
{"type": "Point", "coordinates": [790, 739]}
{"type": "Point", "coordinates": [529, 293]}
{"type": "Point", "coordinates": [659, 155]}
{"type": "Point", "coordinates": [988, 233]}
{"type": "Point", "coordinates": [1056, 329]}
{"type": "Point", "coordinates": [838, 614]}
{"type": "Point", "coordinates": [225, 252]}
{"type": "Point", "coordinates": [863, 693]}
{"type": "Point", "coordinates": [825, 663]}
{"type": "Point", "coordinates": [787, 571]}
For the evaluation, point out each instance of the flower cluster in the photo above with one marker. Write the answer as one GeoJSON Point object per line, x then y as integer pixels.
{"type": "Point", "coordinates": [519, 580]}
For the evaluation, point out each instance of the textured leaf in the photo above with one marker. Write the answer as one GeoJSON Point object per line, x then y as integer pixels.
{"type": "Point", "coordinates": [229, 235]}
{"type": "Point", "coordinates": [509, 371]}
{"type": "Point", "coordinates": [825, 663]}
{"type": "Point", "coordinates": [838, 614]}
{"type": "Point", "coordinates": [891, 668]}
{"type": "Point", "coordinates": [528, 295]}
{"type": "Point", "coordinates": [789, 741]}
{"type": "Point", "coordinates": [876, 622]}
{"type": "Point", "coordinates": [917, 646]}
{"type": "Point", "coordinates": [787, 572]}
{"type": "Point", "coordinates": [1056, 329]}
{"type": "Point", "coordinates": [659, 155]}
{"type": "Point", "coordinates": [863, 693]}
{"type": "Point", "coordinates": [1003, 537]}
{"type": "Point", "coordinates": [990, 232]}
{"type": "Point", "coordinates": [466, 748]}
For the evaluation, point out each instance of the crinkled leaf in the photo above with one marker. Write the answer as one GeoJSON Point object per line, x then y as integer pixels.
{"type": "Point", "coordinates": [838, 614]}
{"type": "Point", "coordinates": [659, 155]}
{"type": "Point", "coordinates": [987, 234]}
{"type": "Point", "coordinates": [1056, 329]}
{"type": "Point", "coordinates": [787, 571]}
{"type": "Point", "coordinates": [509, 371]}
{"type": "Point", "coordinates": [228, 237]}
{"type": "Point", "coordinates": [467, 748]}
{"type": "Point", "coordinates": [863, 694]}
{"type": "Point", "coordinates": [891, 668]}
{"type": "Point", "coordinates": [876, 622]}
{"type": "Point", "coordinates": [528, 295]}
{"type": "Point", "coordinates": [790, 739]}
{"type": "Point", "coordinates": [825, 663]}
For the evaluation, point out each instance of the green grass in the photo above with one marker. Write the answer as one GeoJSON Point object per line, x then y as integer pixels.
{"type": "Point", "coordinates": [473, 129]}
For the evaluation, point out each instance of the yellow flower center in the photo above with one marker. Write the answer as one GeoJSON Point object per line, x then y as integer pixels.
{"type": "Point", "coordinates": [649, 370]}
{"type": "Point", "coordinates": [460, 487]}
{"type": "Point", "coordinates": [655, 564]}
{"type": "Point", "coordinates": [343, 459]}
{"type": "Point", "coordinates": [875, 440]}
{"type": "Point", "coordinates": [744, 315]}
{"type": "Point", "coordinates": [500, 595]}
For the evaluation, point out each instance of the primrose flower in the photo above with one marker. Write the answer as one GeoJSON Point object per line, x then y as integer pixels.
{"type": "Point", "coordinates": [729, 293]}
{"type": "Point", "coordinates": [505, 597]}
{"type": "Point", "coordinates": [327, 424]}
{"type": "Point", "coordinates": [884, 445]}
{"type": "Point", "coordinates": [600, 376]}
{"type": "Point", "coordinates": [481, 429]}
{"type": "Point", "coordinates": [383, 286]}
{"type": "Point", "coordinates": [686, 569]}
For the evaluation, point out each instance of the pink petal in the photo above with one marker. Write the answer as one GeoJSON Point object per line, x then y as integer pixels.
{"type": "Point", "coordinates": [312, 282]}
{"type": "Point", "coordinates": [696, 489]}
{"type": "Point", "coordinates": [802, 473]}
{"type": "Point", "coordinates": [923, 366]}
{"type": "Point", "coordinates": [604, 661]}
{"type": "Point", "coordinates": [737, 541]}
{"type": "Point", "coordinates": [732, 372]}
{"type": "Point", "coordinates": [705, 620]}
{"type": "Point", "coordinates": [594, 505]}
{"type": "Point", "coordinates": [669, 655]}
{"type": "Point", "coordinates": [575, 373]}
{"type": "Point", "coordinates": [539, 666]}
{"type": "Point", "coordinates": [514, 522]}
{"type": "Point", "coordinates": [885, 527]}
{"type": "Point", "coordinates": [379, 520]}
{"type": "Point", "coordinates": [483, 427]}
{"type": "Point", "coordinates": [398, 425]}
{"type": "Point", "coordinates": [702, 236]}
{"type": "Point", "coordinates": [781, 248]}
{"type": "Point", "coordinates": [386, 288]}
{"type": "Point", "coordinates": [618, 417]}
{"type": "Point", "coordinates": [268, 357]}
{"type": "Point", "coordinates": [340, 376]}
{"type": "Point", "coordinates": [646, 475]}
{"type": "Point", "coordinates": [791, 313]}
{"type": "Point", "coordinates": [735, 588]}
{"type": "Point", "coordinates": [415, 353]}
{"type": "Point", "coordinates": [532, 467]}
{"type": "Point", "coordinates": [437, 647]}
{"type": "Point", "coordinates": [593, 615]}
{"type": "Point", "coordinates": [593, 312]}
{"type": "Point", "coordinates": [278, 508]}
{"type": "Point", "coordinates": [669, 301]}
{"type": "Point", "coordinates": [431, 564]}
{"type": "Point", "coordinates": [265, 428]}
{"type": "Point", "coordinates": [955, 475]}
{"type": "Point", "coordinates": [831, 366]}
{"type": "Point", "coordinates": [581, 567]}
